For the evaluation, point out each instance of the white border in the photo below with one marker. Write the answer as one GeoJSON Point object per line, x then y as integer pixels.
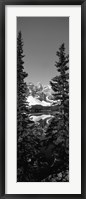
{"type": "Point", "coordinates": [74, 186]}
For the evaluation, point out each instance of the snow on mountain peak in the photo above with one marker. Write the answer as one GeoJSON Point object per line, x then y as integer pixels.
{"type": "Point", "coordinates": [40, 95]}
{"type": "Point", "coordinates": [34, 101]}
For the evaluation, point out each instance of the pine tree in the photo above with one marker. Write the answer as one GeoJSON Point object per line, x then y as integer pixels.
{"type": "Point", "coordinates": [58, 131]}
{"type": "Point", "coordinates": [22, 117]}
{"type": "Point", "coordinates": [60, 84]}
{"type": "Point", "coordinates": [21, 89]}
{"type": "Point", "coordinates": [26, 141]}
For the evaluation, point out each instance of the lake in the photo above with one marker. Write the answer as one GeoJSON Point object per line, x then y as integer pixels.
{"type": "Point", "coordinates": [41, 120]}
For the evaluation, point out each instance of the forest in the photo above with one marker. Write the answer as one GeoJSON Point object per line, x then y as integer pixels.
{"type": "Point", "coordinates": [43, 149]}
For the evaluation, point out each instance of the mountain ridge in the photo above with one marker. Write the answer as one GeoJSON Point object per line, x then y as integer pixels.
{"type": "Point", "coordinates": [40, 95]}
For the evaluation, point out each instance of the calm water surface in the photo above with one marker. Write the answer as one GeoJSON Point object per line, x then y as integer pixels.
{"type": "Point", "coordinates": [40, 119]}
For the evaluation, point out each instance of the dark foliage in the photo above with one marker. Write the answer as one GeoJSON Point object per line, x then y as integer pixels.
{"type": "Point", "coordinates": [22, 116]}
{"type": "Point", "coordinates": [58, 131]}
{"type": "Point", "coordinates": [42, 150]}
{"type": "Point", "coordinates": [21, 89]}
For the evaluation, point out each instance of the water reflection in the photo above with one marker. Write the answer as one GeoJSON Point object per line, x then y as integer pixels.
{"type": "Point", "coordinates": [39, 117]}
{"type": "Point", "coordinates": [41, 123]}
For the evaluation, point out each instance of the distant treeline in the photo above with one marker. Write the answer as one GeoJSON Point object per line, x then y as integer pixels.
{"type": "Point", "coordinates": [40, 108]}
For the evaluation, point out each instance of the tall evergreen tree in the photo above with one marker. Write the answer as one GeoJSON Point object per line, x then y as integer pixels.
{"type": "Point", "coordinates": [60, 84]}
{"type": "Point", "coordinates": [22, 117]}
{"type": "Point", "coordinates": [26, 140]}
{"type": "Point", "coordinates": [21, 89]}
{"type": "Point", "coordinates": [58, 131]}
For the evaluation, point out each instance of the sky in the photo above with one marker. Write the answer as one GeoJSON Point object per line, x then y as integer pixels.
{"type": "Point", "coordinates": [42, 37]}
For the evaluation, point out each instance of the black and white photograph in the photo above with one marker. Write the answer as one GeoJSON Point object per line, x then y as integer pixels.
{"type": "Point", "coordinates": [42, 99]}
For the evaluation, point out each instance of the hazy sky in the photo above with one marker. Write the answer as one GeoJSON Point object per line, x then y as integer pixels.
{"type": "Point", "coordinates": [42, 37]}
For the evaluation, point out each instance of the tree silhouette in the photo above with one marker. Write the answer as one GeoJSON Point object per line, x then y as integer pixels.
{"type": "Point", "coordinates": [58, 131]}
{"type": "Point", "coordinates": [60, 83]}
{"type": "Point", "coordinates": [22, 117]}
{"type": "Point", "coordinates": [21, 89]}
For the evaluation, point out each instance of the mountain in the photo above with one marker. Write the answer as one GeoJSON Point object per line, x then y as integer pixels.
{"type": "Point", "coordinates": [34, 101]}
{"type": "Point", "coordinates": [40, 95]}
